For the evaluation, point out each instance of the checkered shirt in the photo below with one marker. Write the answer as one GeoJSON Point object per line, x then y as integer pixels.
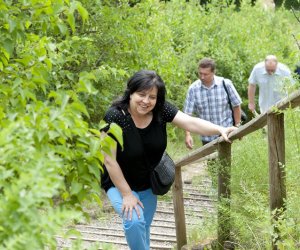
{"type": "Point", "coordinates": [211, 103]}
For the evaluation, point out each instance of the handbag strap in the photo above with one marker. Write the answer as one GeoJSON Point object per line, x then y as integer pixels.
{"type": "Point", "coordinates": [229, 102]}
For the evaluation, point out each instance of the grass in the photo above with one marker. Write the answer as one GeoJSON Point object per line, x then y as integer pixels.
{"type": "Point", "coordinates": [250, 214]}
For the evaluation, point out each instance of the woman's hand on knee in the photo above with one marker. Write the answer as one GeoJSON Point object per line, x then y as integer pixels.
{"type": "Point", "coordinates": [131, 202]}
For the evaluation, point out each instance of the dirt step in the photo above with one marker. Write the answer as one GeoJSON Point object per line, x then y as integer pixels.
{"type": "Point", "coordinates": [119, 244]}
{"type": "Point", "coordinates": [188, 203]}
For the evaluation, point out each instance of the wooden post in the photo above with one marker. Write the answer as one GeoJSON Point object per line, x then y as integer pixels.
{"type": "Point", "coordinates": [276, 166]}
{"type": "Point", "coordinates": [224, 226]}
{"type": "Point", "coordinates": [178, 203]}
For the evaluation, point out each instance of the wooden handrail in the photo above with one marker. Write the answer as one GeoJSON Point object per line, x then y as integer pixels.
{"type": "Point", "coordinates": [292, 101]}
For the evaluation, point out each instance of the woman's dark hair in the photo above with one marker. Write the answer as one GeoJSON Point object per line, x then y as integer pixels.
{"type": "Point", "coordinates": [144, 80]}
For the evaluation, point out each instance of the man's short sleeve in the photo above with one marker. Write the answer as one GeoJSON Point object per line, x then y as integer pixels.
{"type": "Point", "coordinates": [189, 101]}
{"type": "Point", "coordinates": [233, 94]}
{"type": "Point", "coordinates": [252, 78]}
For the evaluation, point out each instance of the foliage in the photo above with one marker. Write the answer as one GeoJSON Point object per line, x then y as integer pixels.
{"type": "Point", "coordinates": [287, 4]}
{"type": "Point", "coordinates": [124, 39]}
{"type": "Point", "coordinates": [63, 62]}
{"type": "Point", "coordinates": [50, 157]}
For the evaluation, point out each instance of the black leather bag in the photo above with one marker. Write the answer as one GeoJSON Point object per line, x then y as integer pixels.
{"type": "Point", "coordinates": [163, 175]}
{"type": "Point", "coordinates": [244, 117]}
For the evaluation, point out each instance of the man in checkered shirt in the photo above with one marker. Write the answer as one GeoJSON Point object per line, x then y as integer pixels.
{"type": "Point", "coordinates": [207, 99]}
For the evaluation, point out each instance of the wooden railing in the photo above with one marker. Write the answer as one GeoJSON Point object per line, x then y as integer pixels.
{"type": "Point", "coordinates": [276, 148]}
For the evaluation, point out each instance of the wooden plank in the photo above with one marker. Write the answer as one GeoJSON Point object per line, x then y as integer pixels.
{"type": "Point", "coordinates": [224, 173]}
{"type": "Point", "coordinates": [276, 160]}
{"type": "Point", "coordinates": [276, 166]}
{"type": "Point", "coordinates": [248, 128]}
{"type": "Point", "coordinates": [197, 154]}
{"type": "Point", "coordinates": [292, 101]}
{"type": "Point", "coordinates": [178, 202]}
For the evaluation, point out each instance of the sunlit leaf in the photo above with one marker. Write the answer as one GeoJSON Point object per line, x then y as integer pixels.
{"type": "Point", "coordinates": [117, 132]}
{"type": "Point", "coordinates": [76, 187]}
{"type": "Point", "coordinates": [82, 11]}
{"type": "Point", "coordinates": [71, 21]}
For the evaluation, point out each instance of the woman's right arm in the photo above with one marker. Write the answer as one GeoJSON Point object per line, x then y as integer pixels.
{"type": "Point", "coordinates": [130, 202]}
{"type": "Point", "coordinates": [200, 126]}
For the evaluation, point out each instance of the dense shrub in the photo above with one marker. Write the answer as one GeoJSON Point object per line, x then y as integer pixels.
{"type": "Point", "coordinates": [50, 157]}
{"type": "Point", "coordinates": [62, 63]}
{"type": "Point", "coordinates": [171, 37]}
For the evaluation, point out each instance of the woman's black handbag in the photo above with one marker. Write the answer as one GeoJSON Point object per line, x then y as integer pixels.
{"type": "Point", "coordinates": [163, 175]}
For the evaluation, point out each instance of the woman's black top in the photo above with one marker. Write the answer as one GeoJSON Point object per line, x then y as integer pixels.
{"type": "Point", "coordinates": [142, 148]}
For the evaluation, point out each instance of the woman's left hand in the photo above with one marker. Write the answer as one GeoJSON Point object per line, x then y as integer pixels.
{"type": "Point", "coordinates": [226, 131]}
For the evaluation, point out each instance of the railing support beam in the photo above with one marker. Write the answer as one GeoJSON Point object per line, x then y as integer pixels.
{"type": "Point", "coordinates": [276, 167]}
{"type": "Point", "coordinates": [178, 203]}
{"type": "Point", "coordinates": [224, 226]}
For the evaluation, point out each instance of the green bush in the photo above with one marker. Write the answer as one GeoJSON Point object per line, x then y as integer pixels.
{"type": "Point", "coordinates": [171, 37]}
{"type": "Point", "coordinates": [50, 158]}
{"type": "Point", "coordinates": [61, 65]}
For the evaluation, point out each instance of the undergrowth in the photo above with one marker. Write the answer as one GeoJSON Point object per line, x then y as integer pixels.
{"type": "Point", "coordinates": [250, 212]}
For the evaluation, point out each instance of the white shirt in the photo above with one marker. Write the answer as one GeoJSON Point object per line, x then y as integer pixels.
{"type": "Point", "coordinates": [271, 87]}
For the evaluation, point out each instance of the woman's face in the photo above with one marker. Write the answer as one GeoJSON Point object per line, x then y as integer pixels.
{"type": "Point", "coordinates": [142, 102]}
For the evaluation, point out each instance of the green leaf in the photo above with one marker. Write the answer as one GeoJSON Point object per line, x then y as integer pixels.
{"type": "Point", "coordinates": [117, 132]}
{"type": "Point", "coordinates": [73, 232]}
{"type": "Point", "coordinates": [76, 187]}
{"type": "Point", "coordinates": [102, 124]}
{"type": "Point", "coordinates": [41, 135]}
{"type": "Point", "coordinates": [86, 85]}
{"type": "Point", "coordinates": [9, 45]}
{"type": "Point", "coordinates": [107, 143]}
{"type": "Point", "coordinates": [96, 197]}
{"type": "Point", "coordinates": [4, 60]}
{"type": "Point", "coordinates": [12, 25]}
{"type": "Point", "coordinates": [82, 11]}
{"type": "Point", "coordinates": [95, 132]}
{"type": "Point", "coordinates": [65, 101]}
{"type": "Point", "coordinates": [71, 21]}
{"type": "Point", "coordinates": [62, 28]}
{"type": "Point", "coordinates": [80, 107]}
{"type": "Point", "coordinates": [27, 24]}
{"type": "Point", "coordinates": [94, 169]}
{"type": "Point", "coordinates": [25, 60]}
{"type": "Point", "coordinates": [94, 146]}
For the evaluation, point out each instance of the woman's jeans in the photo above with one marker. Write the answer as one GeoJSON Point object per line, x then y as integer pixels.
{"type": "Point", "coordinates": [137, 230]}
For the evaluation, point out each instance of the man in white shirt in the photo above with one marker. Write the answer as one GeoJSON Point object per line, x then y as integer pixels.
{"type": "Point", "coordinates": [270, 76]}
